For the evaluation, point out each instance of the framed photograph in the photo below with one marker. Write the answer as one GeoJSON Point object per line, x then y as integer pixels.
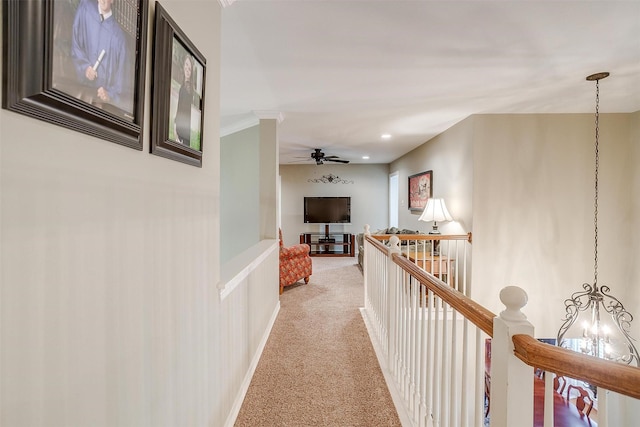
{"type": "Point", "coordinates": [78, 64]}
{"type": "Point", "coordinates": [420, 190]}
{"type": "Point", "coordinates": [179, 72]}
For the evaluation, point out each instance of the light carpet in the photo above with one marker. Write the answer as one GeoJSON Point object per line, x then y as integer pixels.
{"type": "Point", "coordinates": [318, 367]}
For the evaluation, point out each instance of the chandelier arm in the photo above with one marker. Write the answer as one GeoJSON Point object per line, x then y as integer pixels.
{"type": "Point", "coordinates": [573, 307]}
{"type": "Point", "coordinates": [622, 319]}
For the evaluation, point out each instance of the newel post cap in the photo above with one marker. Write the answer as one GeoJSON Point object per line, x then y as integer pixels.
{"type": "Point", "coordinates": [514, 298]}
{"type": "Point", "coordinates": [367, 231]}
{"type": "Point", "coordinates": [394, 244]}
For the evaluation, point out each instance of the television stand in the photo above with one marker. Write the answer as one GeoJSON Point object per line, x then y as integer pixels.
{"type": "Point", "coordinates": [330, 244]}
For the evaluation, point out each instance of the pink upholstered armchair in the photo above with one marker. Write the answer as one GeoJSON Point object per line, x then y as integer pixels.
{"type": "Point", "coordinates": [295, 264]}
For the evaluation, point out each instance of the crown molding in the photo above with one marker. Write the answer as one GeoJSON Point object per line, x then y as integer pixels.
{"type": "Point", "coordinates": [253, 119]}
{"type": "Point", "coordinates": [269, 114]}
{"type": "Point", "coordinates": [239, 125]}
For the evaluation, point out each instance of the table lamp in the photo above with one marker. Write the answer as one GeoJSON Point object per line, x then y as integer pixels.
{"type": "Point", "coordinates": [435, 211]}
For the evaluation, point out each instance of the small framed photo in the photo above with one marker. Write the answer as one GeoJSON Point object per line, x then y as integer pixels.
{"type": "Point", "coordinates": [78, 64]}
{"type": "Point", "coordinates": [420, 190]}
{"type": "Point", "coordinates": [179, 71]}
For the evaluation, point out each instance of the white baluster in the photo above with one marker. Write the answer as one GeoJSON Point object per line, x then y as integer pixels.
{"type": "Point", "coordinates": [453, 391]}
{"type": "Point", "coordinates": [437, 362]}
{"type": "Point", "coordinates": [365, 267]}
{"type": "Point", "coordinates": [446, 365]}
{"type": "Point", "coordinates": [480, 378]}
{"type": "Point", "coordinates": [603, 416]}
{"type": "Point", "coordinates": [394, 285]}
{"type": "Point", "coordinates": [548, 399]}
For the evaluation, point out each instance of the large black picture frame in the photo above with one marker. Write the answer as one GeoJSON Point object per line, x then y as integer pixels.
{"type": "Point", "coordinates": [172, 50]}
{"type": "Point", "coordinates": [37, 80]}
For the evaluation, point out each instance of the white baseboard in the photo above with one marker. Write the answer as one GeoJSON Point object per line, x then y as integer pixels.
{"type": "Point", "coordinates": [396, 395]}
{"type": "Point", "coordinates": [237, 404]}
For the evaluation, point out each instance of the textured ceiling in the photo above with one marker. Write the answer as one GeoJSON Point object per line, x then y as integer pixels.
{"type": "Point", "coordinates": [341, 73]}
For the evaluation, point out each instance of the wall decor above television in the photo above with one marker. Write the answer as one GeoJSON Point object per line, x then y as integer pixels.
{"type": "Point", "coordinates": [327, 210]}
{"type": "Point", "coordinates": [330, 179]}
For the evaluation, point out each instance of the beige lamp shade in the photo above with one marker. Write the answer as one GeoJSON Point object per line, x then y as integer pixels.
{"type": "Point", "coordinates": [436, 210]}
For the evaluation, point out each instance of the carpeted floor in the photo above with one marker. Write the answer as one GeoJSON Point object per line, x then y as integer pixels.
{"type": "Point", "coordinates": [318, 367]}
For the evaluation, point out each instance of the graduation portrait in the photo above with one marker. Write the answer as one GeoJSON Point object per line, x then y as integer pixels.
{"type": "Point", "coordinates": [94, 52]}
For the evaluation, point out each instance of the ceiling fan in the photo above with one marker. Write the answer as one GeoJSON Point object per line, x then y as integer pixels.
{"type": "Point", "coordinates": [320, 158]}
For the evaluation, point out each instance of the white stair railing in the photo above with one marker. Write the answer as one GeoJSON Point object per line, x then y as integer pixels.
{"type": "Point", "coordinates": [431, 339]}
{"type": "Point", "coordinates": [434, 354]}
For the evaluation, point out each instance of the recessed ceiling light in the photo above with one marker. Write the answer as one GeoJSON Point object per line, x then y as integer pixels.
{"type": "Point", "coordinates": [385, 136]}
{"type": "Point", "coordinates": [365, 157]}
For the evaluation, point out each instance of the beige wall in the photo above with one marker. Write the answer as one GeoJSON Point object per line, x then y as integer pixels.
{"type": "Point", "coordinates": [449, 156]}
{"type": "Point", "coordinates": [109, 261]}
{"type": "Point", "coordinates": [268, 171]}
{"type": "Point", "coordinates": [533, 209]}
{"type": "Point", "coordinates": [629, 408]}
{"type": "Point", "coordinates": [632, 297]}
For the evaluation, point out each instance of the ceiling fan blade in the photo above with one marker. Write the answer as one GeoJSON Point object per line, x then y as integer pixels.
{"type": "Point", "coordinates": [320, 158]}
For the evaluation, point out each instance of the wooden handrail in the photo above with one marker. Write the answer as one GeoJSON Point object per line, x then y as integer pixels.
{"type": "Point", "coordinates": [477, 314]}
{"type": "Point", "coordinates": [377, 244]}
{"type": "Point", "coordinates": [609, 375]}
{"type": "Point", "coordinates": [466, 237]}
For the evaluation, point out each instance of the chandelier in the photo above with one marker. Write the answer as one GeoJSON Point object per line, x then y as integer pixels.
{"type": "Point", "coordinates": [604, 332]}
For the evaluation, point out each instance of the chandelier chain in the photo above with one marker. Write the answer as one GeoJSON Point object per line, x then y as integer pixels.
{"type": "Point", "coordinates": [595, 221]}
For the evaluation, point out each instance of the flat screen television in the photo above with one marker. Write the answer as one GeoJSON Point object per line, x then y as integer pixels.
{"type": "Point", "coordinates": [327, 210]}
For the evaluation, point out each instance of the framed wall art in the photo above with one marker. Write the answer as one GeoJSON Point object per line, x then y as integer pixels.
{"type": "Point", "coordinates": [420, 190]}
{"type": "Point", "coordinates": [179, 71]}
{"type": "Point", "coordinates": [78, 64]}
